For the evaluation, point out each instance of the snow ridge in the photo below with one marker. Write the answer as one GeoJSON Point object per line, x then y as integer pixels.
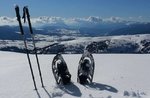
{"type": "Point", "coordinates": [71, 44]}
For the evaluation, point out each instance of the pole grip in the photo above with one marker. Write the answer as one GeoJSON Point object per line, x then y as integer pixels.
{"type": "Point", "coordinates": [17, 12]}
{"type": "Point", "coordinates": [18, 18]}
{"type": "Point", "coordinates": [28, 18]}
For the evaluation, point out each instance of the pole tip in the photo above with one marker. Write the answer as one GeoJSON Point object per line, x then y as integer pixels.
{"type": "Point", "coordinates": [26, 6]}
{"type": "Point", "coordinates": [15, 5]}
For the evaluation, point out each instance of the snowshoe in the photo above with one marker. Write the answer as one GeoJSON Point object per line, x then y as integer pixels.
{"type": "Point", "coordinates": [86, 68]}
{"type": "Point", "coordinates": [60, 70]}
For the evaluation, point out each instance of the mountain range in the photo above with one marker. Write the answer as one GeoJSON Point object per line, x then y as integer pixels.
{"type": "Point", "coordinates": [12, 32]}
{"type": "Point", "coordinates": [62, 32]}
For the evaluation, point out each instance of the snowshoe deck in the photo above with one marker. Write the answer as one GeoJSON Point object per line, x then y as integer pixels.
{"type": "Point", "coordinates": [86, 68]}
{"type": "Point", "coordinates": [60, 70]}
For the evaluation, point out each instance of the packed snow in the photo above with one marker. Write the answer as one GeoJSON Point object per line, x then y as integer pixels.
{"type": "Point", "coordinates": [116, 76]}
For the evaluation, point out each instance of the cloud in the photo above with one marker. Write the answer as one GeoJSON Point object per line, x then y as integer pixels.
{"type": "Point", "coordinates": [66, 21]}
{"type": "Point", "coordinates": [115, 19]}
{"type": "Point", "coordinates": [4, 20]}
{"type": "Point", "coordinates": [140, 17]}
{"type": "Point", "coordinates": [131, 17]}
{"type": "Point", "coordinates": [91, 21]}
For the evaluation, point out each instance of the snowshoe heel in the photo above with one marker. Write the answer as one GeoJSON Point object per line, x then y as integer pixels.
{"type": "Point", "coordinates": [83, 79]}
{"type": "Point", "coordinates": [66, 79]}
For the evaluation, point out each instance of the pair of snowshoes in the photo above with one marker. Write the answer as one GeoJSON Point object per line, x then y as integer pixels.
{"type": "Point", "coordinates": [85, 69]}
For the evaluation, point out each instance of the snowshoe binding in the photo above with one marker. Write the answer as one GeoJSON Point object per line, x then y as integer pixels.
{"type": "Point", "coordinates": [86, 68]}
{"type": "Point", "coordinates": [60, 70]}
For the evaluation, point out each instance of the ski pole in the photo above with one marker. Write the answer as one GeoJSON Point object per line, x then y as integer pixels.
{"type": "Point", "coordinates": [25, 44]}
{"type": "Point", "coordinates": [26, 13]}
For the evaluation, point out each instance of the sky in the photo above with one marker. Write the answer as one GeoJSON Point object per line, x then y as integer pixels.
{"type": "Point", "coordinates": [127, 9]}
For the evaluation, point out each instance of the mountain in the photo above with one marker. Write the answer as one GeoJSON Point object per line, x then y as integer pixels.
{"type": "Point", "coordinates": [9, 33]}
{"type": "Point", "coordinates": [132, 29]}
{"type": "Point", "coordinates": [76, 45]}
{"type": "Point", "coordinates": [57, 26]}
{"type": "Point", "coordinates": [105, 30]}
{"type": "Point", "coordinates": [55, 34]}
{"type": "Point", "coordinates": [115, 76]}
{"type": "Point", "coordinates": [13, 32]}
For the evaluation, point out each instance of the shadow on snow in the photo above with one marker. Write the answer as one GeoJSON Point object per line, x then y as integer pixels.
{"type": "Point", "coordinates": [99, 86]}
{"type": "Point", "coordinates": [75, 91]}
{"type": "Point", "coordinates": [39, 96]}
{"type": "Point", "coordinates": [71, 89]}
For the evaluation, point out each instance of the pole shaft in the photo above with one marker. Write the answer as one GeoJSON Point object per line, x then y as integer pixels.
{"type": "Point", "coordinates": [27, 51]}
{"type": "Point", "coordinates": [35, 50]}
{"type": "Point", "coordinates": [37, 59]}
{"type": "Point", "coordinates": [25, 44]}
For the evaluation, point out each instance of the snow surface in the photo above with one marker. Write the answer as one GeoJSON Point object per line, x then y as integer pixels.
{"type": "Point", "coordinates": [116, 76]}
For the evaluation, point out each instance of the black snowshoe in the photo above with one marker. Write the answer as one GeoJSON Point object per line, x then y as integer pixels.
{"type": "Point", "coordinates": [86, 68]}
{"type": "Point", "coordinates": [60, 70]}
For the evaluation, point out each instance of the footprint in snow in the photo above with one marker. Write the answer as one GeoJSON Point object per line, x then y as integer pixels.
{"type": "Point", "coordinates": [134, 94]}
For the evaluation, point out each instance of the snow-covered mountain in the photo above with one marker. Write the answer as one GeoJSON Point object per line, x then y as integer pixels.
{"type": "Point", "coordinates": [56, 34]}
{"type": "Point", "coordinates": [91, 26]}
{"type": "Point", "coordinates": [115, 76]}
{"type": "Point", "coordinates": [70, 44]}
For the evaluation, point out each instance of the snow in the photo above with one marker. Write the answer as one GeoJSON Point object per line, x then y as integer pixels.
{"type": "Point", "coordinates": [116, 76]}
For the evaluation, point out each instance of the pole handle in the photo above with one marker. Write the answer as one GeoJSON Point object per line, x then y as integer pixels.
{"type": "Point", "coordinates": [17, 12]}
{"type": "Point", "coordinates": [27, 15]}
{"type": "Point", "coordinates": [19, 19]}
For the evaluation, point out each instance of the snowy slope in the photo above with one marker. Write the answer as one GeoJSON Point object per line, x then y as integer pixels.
{"type": "Point", "coordinates": [116, 76]}
{"type": "Point", "coordinates": [70, 44]}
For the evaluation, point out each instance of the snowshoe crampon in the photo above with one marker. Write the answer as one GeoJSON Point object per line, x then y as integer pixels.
{"type": "Point", "coordinates": [60, 70]}
{"type": "Point", "coordinates": [86, 68]}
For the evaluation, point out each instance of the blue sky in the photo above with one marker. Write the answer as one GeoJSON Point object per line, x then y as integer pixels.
{"type": "Point", "coordinates": [135, 9]}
